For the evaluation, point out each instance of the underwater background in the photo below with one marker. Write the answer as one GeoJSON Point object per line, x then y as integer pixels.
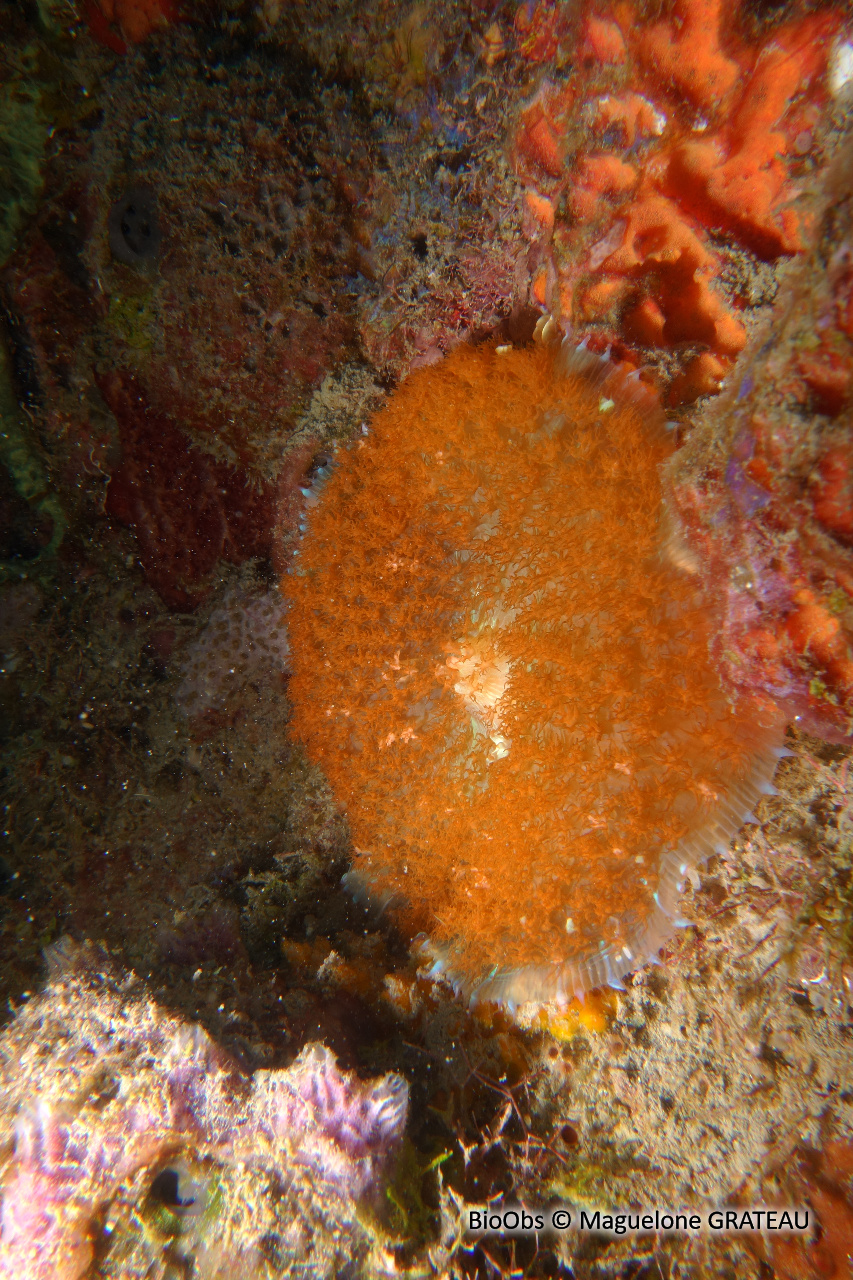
{"type": "Point", "coordinates": [229, 233]}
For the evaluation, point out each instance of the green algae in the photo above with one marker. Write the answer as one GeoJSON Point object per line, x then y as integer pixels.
{"type": "Point", "coordinates": [54, 15]}
{"type": "Point", "coordinates": [412, 1217]}
{"type": "Point", "coordinates": [20, 456]}
{"type": "Point", "coordinates": [132, 319]}
{"type": "Point", "coordinates": [25, 129]}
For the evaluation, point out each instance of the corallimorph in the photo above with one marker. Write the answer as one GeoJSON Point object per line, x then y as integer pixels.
{"type": "Point", "coordinates": [505, 673]}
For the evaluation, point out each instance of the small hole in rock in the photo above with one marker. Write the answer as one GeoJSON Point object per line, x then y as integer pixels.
{"type": "Point", "coordinates": [178, 1190]}
{"type": "Point", "coordinates": [133, 229]}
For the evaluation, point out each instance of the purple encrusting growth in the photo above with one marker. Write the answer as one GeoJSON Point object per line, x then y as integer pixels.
{"type": "Point", "coordinates": [321, 1100]}
{"type": "Point", "coordinates": [102, 1089]}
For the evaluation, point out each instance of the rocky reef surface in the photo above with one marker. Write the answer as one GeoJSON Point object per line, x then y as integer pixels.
{"type": "Point", "coordinates": [118, 1116]}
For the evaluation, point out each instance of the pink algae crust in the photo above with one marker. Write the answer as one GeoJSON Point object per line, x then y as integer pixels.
{"type": "Point", "coordinates": [672, 131]}
{"type": "Point", "coordinates": [180, 542]}
{"type": "Point", "coordinates": [119, 23]}
{"type": "Point", "coordinates": [101, 1085]}
{"type": "Point", "coordinates": [764, 486]}
{"type": "Point", "coordinates": [176, 381]}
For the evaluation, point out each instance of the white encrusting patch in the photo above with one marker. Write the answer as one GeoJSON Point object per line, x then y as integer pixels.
{"type": "Point", "coordinates": [840, 70]}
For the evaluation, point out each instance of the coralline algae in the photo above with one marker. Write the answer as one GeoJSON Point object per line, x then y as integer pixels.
{"type": "Point", "coordinates": [506, 677]}
{"type": "Point", "coordinates": [130, 1138]}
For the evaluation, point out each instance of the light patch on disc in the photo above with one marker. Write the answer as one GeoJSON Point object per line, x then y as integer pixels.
{"type": "Point", "coordinates": [482, 678]}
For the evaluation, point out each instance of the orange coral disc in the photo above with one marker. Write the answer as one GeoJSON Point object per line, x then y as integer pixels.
{"type": "Point", "coordinates": [507, 680]}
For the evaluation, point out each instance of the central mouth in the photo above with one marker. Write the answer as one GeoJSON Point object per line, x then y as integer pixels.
{"type": "Point", "coordinates": [482, 677]}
